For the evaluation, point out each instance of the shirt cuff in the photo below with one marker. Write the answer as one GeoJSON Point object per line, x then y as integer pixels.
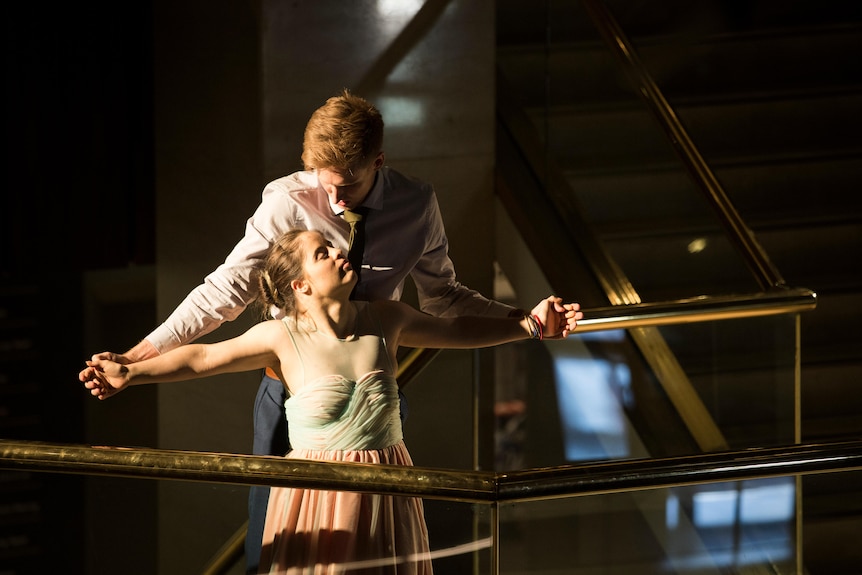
{"type": "Point", "coordinates": [163, 339]}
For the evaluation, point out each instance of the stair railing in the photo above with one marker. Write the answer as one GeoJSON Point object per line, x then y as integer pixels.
{"type": "Point", "coordinates": [619, 44]}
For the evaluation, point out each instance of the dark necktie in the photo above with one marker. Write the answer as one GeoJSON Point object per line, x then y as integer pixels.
{"type": "Point", "coordinates": [356, 241]}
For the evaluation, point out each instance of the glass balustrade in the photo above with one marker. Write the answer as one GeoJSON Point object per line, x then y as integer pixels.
{"type": "Point", "coordinates": [725, 527]}
{"type": "Point", "coordinates": [732, 512]}
{"type": "Point", "coordinates": [596, 397]}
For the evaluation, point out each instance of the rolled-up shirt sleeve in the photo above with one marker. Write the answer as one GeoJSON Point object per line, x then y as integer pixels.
{"type": "Point", "coordinates": [440, 293]}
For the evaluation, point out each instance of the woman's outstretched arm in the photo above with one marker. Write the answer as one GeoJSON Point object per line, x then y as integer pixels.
{"type": "Point", "coordinates": [550, 319]}
{"type": "Point", "coordinates": [252, 350]}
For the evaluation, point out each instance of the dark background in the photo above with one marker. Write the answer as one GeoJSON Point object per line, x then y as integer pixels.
{"type": "Point", "coordinates": [78, 196]}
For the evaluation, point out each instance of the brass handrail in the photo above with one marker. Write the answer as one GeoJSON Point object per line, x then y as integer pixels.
{"type": "Point", "coordinates": [239, 469]}
{"type": "Point", "coordinates": [632, 475]}
{"type": "Point", "coordinates": [449, 484]}
{"type": "Point", "coordinates": [698, 309]}
{"type": "Point", "coordinates": [689, 310]}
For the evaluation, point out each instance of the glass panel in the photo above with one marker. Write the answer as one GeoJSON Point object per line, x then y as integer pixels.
{"type": "Point", "coordinates": [832, 522]}
{"type": "Point", "coordinates": [460, 536]}
{"type": "Point", "coordinates": [595, 397]}
{"type": "Point", "coordinates": [722, 527]}
{"type": "Point", "coordinates": [29, 504]}
{"type": "Point", "coordinates": [744, 372]}
{"type": "Point", "coordinates": [144, 526]}
{"type": "Point", "coordinates": [166, 526]}
{"type": "Point", "coordinates": [730, 527]}
{"type": "Point", "coordinates": [148, 526]}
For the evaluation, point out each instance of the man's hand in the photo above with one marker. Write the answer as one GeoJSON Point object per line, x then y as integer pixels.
{"type": "Point", "coordinates": [98, 383]}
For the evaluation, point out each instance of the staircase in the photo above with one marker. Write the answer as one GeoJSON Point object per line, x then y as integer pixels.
{"type": "Point", "coordinates": [771, 94]}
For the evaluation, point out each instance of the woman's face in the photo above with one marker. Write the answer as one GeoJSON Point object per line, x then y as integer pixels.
{"type": "Point", "coordinates": [326, 267]}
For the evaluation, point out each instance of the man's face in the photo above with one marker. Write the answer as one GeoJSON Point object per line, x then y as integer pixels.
{"type": "Point", "coordinates": [349, 189]}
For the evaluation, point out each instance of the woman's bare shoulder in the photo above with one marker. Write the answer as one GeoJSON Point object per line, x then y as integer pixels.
{"type": "Point", "coordinates": [268, 328]}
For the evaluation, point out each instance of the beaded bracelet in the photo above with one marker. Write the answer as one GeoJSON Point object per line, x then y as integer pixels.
{"type": "Point", "coordinates": [535, 326]}
{"type": "Point", "coordinates": [541, 327]}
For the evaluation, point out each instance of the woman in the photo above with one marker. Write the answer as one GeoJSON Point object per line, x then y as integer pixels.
{"type": "Point", "coordinates": [337, 359]}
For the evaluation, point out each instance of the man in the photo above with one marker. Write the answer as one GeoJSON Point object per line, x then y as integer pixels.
{"type": "Point", "coordinates": [404, 234]}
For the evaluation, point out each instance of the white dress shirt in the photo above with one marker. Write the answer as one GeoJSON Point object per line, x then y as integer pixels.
{"type": "Point", "coordinates": [404, 235]}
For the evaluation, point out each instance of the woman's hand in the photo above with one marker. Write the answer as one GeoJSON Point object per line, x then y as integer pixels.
{"type": "Point", "coordinates": [557, 319]}
{"type": "Point", "coordinates": [103, 377]}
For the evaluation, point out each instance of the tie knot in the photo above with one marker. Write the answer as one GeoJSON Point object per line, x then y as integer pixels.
{"type": "Point", "coordinates": [350, 216]}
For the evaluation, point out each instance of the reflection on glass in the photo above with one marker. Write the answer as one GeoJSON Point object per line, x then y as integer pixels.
{"type": "Point", "coordinates": [738, 524]}
{"type": "Point", "coordinates": [592, 395]}
{"type": "Point", "coordinates": [748, 503]}
{"type": "Point", "coordinates": [715, 528]}
{"type": "Point", "coordinates": [593, 421]}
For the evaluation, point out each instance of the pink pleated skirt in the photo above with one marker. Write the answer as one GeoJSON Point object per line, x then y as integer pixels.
{"type": "Point", "coordinates": [314, 532]}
